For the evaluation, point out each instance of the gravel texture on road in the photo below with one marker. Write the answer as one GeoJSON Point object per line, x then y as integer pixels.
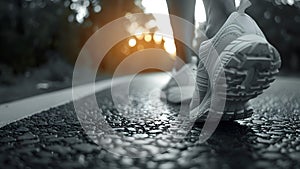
{"type": "Point", "coordinates": [55, 138]}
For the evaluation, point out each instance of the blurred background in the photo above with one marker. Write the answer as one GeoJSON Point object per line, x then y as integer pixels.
{"type": "Point", "coordinates": [41, 39]}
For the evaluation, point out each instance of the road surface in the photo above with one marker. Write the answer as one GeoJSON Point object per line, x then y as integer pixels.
{"type": "Point", "coordinates": [55, 139]}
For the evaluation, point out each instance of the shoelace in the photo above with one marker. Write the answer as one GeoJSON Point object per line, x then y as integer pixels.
{"type": "Point", "coordinates": [243, 6]}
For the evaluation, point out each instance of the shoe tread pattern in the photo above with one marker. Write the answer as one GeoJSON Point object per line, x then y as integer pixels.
{"type": "Point", "coordinates": [250, 64]}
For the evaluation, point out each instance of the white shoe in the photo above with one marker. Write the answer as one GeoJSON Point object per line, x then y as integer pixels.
{"type": "Point", "coordinates": [249, 61]}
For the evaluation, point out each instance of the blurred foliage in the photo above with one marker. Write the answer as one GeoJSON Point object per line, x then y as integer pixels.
{"type": "Point", "coordinates": [280, 21]}
{"type": "Point", "coordinates": [31, 28]}
{"type": "Point", "coordinates": [27, 30]}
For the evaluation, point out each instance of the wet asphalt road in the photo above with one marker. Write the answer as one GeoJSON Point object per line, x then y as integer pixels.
{"type": "Point", "coordinates": [55, 138]}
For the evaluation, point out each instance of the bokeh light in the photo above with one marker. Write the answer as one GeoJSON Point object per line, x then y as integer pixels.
{"type": "Point", "coordinates": [139, 33]}
{"type": "Point", "coordinates": [148, 37]}
{"type": "Point", "coordinates": [132, 42]}
{"type": "Point", "coordinates": [157, 38]}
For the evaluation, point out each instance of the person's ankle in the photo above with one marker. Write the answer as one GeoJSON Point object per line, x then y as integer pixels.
{"type": "Point", "coordinates": [210, 31]}
{"type": "Point", "coordinates": [215, 23]}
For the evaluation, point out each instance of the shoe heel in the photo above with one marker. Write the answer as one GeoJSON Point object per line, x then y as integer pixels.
{"type": "Point", "coordinates": [250, 64]}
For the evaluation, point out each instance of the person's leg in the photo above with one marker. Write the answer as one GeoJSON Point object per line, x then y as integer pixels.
{"type": "Point", "coordinates": [217, 12]}
{"type": "Point", "coordinates": [185, 10]}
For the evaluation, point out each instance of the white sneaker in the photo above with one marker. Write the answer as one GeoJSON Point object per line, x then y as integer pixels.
{"type": "Point", "coordinates": [181, 86]}
{"type": "Point", "coordinates": [249, 61]}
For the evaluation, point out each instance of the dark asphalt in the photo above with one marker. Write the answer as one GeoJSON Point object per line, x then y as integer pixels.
{"type": "Point", "coordinates": [55, 139]}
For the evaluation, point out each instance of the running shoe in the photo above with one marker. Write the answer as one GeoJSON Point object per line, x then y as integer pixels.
{"type": "Point", "coordinates": [248, 60]}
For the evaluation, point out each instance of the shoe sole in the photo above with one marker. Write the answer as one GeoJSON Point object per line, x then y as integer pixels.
{"type": "Point", "coordinates": [250, 64]}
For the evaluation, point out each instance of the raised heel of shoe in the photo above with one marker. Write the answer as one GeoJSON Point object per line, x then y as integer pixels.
{"type": "Point", "coordinates": [250, 64]}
